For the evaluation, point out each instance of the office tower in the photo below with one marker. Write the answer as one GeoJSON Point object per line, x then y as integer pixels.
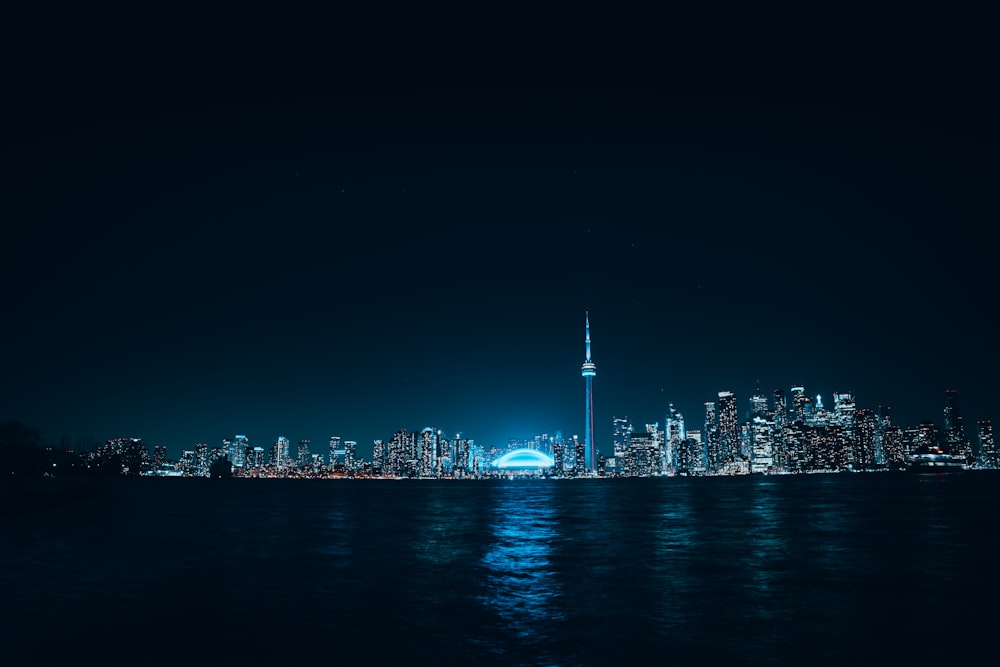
{"type": "Point", "coordinates": [559, 458]}
{"type": "Point", "coordinates": [378, 456]}
{"type": "Point", "coordinates": [780, 409]}
{"type": "Point", "coordinates": [579, 457]}
{"type": "Point", "coordinates": [401, 458]}
{"type": "Point", "coordinates": [673, 427]}
{"type": "Point", "coordinates": [713, 454]}
{"type": "Point", "coordinates": [159, 455]}
{"type": "Point", "coordinates": [188, 461]}
{"type": "Point", "coordinates": [758, 405]}
{"type": "Point", "coordinates": [843, 408]}
{"type": "Point", "coordinates": [799, 400]}
{"type": "Point", "coordinates": [762, 451]}
{"type": "Point", "coordinates": [690, 456]}
{"type": "Point", "coordinates": [642, 459]}
{"type": "Point", "coordinates": [620, 429]}
{"type": "Point", "coordinates": [987, 447]}
{"type": "Point", "coordinates": [304, 456]}
{"type": "Point", "coordinates": [427, 456]}
{"type": "Point", "coordinates": [589, 370]}
{"type": "Point", "coordinates": [954, 430]}
{"type": "Point", "coordinates": [864, 436]}
{"type": "Point", "coordinates": [337, 452]}
{"type": "Point", "coordinates": [201, 462]}
{"type": "Point", "coordinates": [350, 454]}
{"type": "Point", "coordinates": [729, 427]}
{"type": "Point", "coordinates": [280, 454]}
{"type": "Point", "coordinates": [460, 466]}
{"type": "Point", "coordinates": [255, 457]}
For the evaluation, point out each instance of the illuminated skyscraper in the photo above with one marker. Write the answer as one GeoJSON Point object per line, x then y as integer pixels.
{"type": "Point", "coordinates": [713, 456]}
{"type": "Point", "coordinates": [954, 430]}
{"type": "Point", "coordinates": [350, 454]}
{"type": "Point", "coordinates": [589, 370]}
{"type": "Point", "coordinates": [673, 427]}
{"type": "Point", "coordinates": [987, 447]}
{"type": "Point", "coordinates": [280, 455]}
{"type": "Point", "coordinates": [780, 409]}
{"type": "Point", "coordinates": [337, 452]}
{"type": "Point", "coordinates": [799, 400]}
{"type": "Point", "coordinates": [619, 436]}
{"type": "Point", "coordinates": [304, 456]}
{"type": "Point", "coordinates": [729, 426]}
{"type": "Point", "coordinates": [758, 405]}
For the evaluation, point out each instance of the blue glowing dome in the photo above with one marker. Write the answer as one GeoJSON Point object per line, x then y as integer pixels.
{"type": "Point", "coordinates": [524, 458]}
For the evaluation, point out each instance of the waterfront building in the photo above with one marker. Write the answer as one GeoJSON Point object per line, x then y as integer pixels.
{"type": "Point", "coordinates": [799, 400]}
{"type": "Point", "coordinates": [643, 457]}
{"type": "Point", "coordinates": [620, 430]}
{"type": "Point", "coordinates": [579, 457]}
{"type": "Point", "coordinates": [378, 456]}
{"type": "Point", "coordinates": [255, 458]}
{"type": "Point", "coordinates": [987, 447]}
{"type": "Point", "coordinates": [201, 462]}
{"type": "Point", "coordinates": [762, 453]}
{"type": "Point", "coordinates": [350, 454]}
{"type": "Point", "coordinates": [673, 427]}
{"type": "Point", "coordinates": [863, 433]}
{"type": "Point", "coordinates": [303, 455]}
{"type": "Point", "coordinates": [758, 405]}
{"type": "Point", "coordinates": [713, 452]}
{"type": "Point", "coordinates": [280, 453]}
{"type": "Point", "coordinates": [558, 459]}
{"type": "Point", "coordinates": [690, 455]}
{"type": "Point", "coordinates": [730, 443]}
{"type": "Point", "coordinates": [780, 409]}
{"type": "Point", "coordinates": [955, 439]}
{"type": "Point", "coordinates": [843, 408]}
{"type": "Point", "coordinates": [337, 453]}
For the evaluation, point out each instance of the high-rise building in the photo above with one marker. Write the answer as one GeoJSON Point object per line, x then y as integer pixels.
{"type": "Point", "coordinates": [558, 458]}
{"type": "Point", "coordinates": [799, 400]}
{"type": "Point", "coordinates": [762, 452]}
{"type": "Point", "coordinates": [350, 454]}
{"type": "Point", "coordinates": [843, 408]}
{"type": "Point", "coordinates": [758, 405]}
{"type": "Point", "coordinates": [780, 409]}
{"type": "Point", "coordinates": [987, 447]}
{"type": "Point", "coordinates": [304, 456]}
{"type": "Point", "coordinates": [280, 455]}
{"type": "Point", "coordinates": [673, 427]}
{"type": "Point", "coordinates": [589, 370]}
{"type": "Point", "coordinates": [378, 456]}
{"type": "Point", "coordinates": [864, 437]}
{"type": "Point", "coordinates": [729, 426]}
{"type": "Point", "coordinates": [159, 455]}
{"type": "Point", "coordinates": [620, 429]}
{"type": "Point", "coordinates": [955, 439]}
{"type": "Point", "coordinates": [713, 454]}
{"type": "Point", "coordinates": [337, 453]}
{"type": "Point", "coordinates": [643, 456]}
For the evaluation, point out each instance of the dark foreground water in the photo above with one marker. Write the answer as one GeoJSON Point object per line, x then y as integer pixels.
{"type": "Point", "coordinates": [793, 570]}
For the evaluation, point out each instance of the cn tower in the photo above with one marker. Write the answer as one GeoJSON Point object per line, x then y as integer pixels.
{"type": "Point", "coordinates": [588, 371]}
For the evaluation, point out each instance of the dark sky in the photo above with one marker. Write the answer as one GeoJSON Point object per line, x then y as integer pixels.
{"type": "Point", "coordinates": [375, 218]}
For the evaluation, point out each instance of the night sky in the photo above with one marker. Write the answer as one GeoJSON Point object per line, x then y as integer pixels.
{"type": "Point", "coordinates": [377, 218]}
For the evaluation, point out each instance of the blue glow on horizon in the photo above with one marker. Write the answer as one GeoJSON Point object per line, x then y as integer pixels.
{"type": "Point", "coordinates": [524, 458]}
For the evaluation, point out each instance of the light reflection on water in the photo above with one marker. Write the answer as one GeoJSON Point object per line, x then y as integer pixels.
{"type": "Point", "coordinates": [519, 584]}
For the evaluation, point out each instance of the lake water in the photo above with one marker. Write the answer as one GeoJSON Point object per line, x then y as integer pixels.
{"type": "Point", "coordinates": [782, 570]}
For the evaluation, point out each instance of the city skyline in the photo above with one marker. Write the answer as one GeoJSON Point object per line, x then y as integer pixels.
{"type": "Point", "coordinates": [280, 226]}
